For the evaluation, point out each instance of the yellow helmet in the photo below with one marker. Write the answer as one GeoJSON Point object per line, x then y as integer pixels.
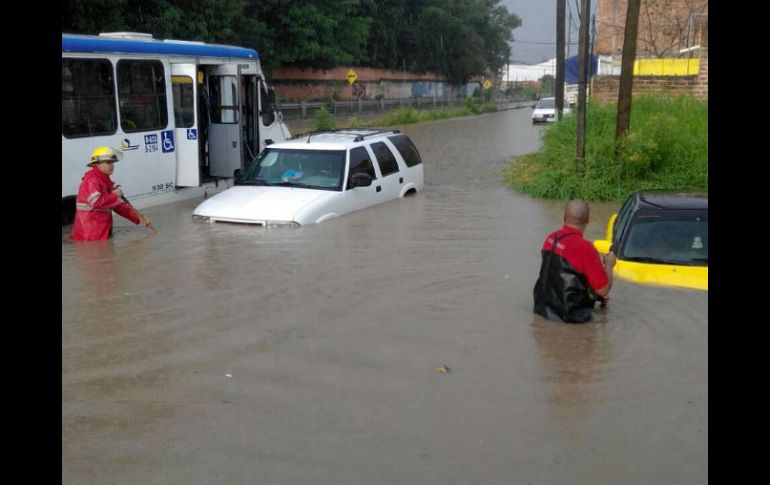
{"type": "Point", "coordinates": [102, 154]}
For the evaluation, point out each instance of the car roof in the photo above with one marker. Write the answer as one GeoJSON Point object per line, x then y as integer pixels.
{"type": "Point", "coordinates": [334, 139]}
{"type": "Point", "coordinates": [672, 200]}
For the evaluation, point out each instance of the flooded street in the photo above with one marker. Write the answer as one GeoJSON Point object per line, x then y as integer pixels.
{"type": "Point", "coordinates": [237, 355]}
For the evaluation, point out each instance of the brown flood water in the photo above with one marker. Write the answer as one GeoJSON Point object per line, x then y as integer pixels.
{"type": "Point", "coordinates": [229, 354]}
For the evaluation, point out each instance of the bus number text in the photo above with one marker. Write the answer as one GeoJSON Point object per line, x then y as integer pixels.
{"type": "Point", "coordinates": [166, 186]}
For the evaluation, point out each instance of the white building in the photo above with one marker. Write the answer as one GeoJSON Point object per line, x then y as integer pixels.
{"type": "Point", "coordinates": [530, 72]}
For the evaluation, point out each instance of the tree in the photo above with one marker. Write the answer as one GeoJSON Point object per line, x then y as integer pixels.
{"type": "Point", "coordinates": [318, 34]}
{"type": "Point", "coordinates": [457, 38]}
{"type": "Point", "coordinates": [667, 26]}
{"type": "Point", "coordinates": [547, 83]}
{"type": "Point", "coordinates": [627, 72]}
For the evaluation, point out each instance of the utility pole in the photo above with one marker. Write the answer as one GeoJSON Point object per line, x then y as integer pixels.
{"type": "Point", "coordinates": [585, 15]}
{"type": "Point", "coordinates": [591, 56]}
{"type": "Point", "coordinates": [627, 72]}
{"type": "Point", "coordinates": [569, 33]}
{"type": "Point", "coordinates": [561, 6]}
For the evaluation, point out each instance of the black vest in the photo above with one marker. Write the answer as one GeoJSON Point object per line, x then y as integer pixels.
{"type": "Point", "coordinates": [562, 292]}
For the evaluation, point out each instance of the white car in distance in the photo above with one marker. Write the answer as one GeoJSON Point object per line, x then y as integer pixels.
{"type": "Point", "coordinates": [545, 111]}
{"type": "Point", "coordinates": [318, 177]}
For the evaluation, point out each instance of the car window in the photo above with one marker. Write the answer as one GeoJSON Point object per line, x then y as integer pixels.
{"type": "Point", "coordinates": [407, 149]}
{"type": "Point", "coordinates": [360, 162]}
{"type": "Point", "coordinates": [315, 169]}
{"type": "Point", "coordinates": [621, 221]}
{"type": "Point", "coordinates": [681, 239]}
{"type": "Point", "coordinates": [385, 158]}
{"type": "Point", "coordinates": [546, 103]}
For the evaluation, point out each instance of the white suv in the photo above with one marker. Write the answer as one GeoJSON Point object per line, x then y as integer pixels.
{"type": "Point", "coordinates": [318, 177]}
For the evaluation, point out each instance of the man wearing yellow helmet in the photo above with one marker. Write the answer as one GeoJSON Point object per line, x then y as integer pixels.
{"type": "Point", "coordinates": [98, 196]}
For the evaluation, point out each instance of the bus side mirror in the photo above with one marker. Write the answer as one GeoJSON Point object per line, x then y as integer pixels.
{"type": "Point", "coordinates": [268, 107]}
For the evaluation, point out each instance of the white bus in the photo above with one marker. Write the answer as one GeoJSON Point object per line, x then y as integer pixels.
{"type": "Point", "coordinates": [185, 114]}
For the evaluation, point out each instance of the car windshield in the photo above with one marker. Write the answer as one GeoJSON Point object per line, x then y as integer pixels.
{"type": "Point", "coordinates": [682, 240]}
{"type": "Point", "coordinates": [546, 103]}
{"type": "Point", "coordinates": [312, 169]}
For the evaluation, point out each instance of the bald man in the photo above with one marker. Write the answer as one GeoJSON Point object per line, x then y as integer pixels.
{"type": "Point", "coordinates": [573, 276]}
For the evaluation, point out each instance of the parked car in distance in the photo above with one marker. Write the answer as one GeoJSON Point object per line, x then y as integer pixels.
{"type": "Point", "coordinates": [317, 177]}
{"type": "Point", "coordinates": [545, 111]}
{"type": "Point", "coordinates": [661, 238]}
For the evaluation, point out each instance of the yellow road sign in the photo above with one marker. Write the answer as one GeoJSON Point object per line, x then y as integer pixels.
{"type": "Point", "coordinates": [352, 76]}
{"type": "Point", "coordinates": [487, 84]}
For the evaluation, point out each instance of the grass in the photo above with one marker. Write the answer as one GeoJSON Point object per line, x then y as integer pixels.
{"type": "Point", "coordinates": [404, 116]}
{"type": "Point", "coordinates": [666, 148]}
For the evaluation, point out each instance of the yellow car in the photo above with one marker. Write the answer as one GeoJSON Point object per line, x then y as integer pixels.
{"type": "Point", "coordinates": [661, 238]}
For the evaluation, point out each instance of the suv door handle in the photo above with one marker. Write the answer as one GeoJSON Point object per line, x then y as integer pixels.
{"type": "Point", "coordinates": [379, 188]}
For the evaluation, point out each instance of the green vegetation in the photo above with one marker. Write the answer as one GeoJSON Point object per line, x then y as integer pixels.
{"type": "Point", "coordinates": [457, 38]}
{"type": "Point", "coordinates": [323, 120]}
{"type": "Point", "coordinates": [666, 148]}
{"type": "Point", "coordinates": [406, 116]}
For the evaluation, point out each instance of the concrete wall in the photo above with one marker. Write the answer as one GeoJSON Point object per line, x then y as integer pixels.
{"type": "Point", "coordinates": [293, 84]}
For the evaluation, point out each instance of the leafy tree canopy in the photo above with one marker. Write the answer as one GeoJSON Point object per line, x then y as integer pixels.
{"type": "Point", "coordinates": [456, 38]}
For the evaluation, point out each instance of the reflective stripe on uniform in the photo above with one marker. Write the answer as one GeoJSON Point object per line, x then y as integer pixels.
{"type": "Point", "coordinates": [92, 198]}
{"type": "Point", "coordinates": [85, 207]}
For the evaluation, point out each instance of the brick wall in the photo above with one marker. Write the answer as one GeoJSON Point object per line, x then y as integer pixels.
{"type": "Point", "coordinates": [605, 88]}
{"type": "Point", "coordinates": [294, 84]}
{"type": "Point", "coordinates": [658, 25]}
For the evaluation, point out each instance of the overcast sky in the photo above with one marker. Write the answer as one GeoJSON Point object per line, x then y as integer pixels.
{"type": "Point", "coordinates": [535, 40]}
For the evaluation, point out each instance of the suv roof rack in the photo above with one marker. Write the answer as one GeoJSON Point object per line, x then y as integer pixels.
{"type": "Point", "coordinates": [333, 130]}
{"type": "Point", "coordinates": [352, 132]}
{"type": "Point", "coordinates": [375, 131]}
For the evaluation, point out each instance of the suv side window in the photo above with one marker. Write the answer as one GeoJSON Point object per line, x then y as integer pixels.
{"type": "Point", "coordinates": [385, 158]}
{"type": "Point", "coordinates": [407, 149]}
{"type": "Point", "coordinates": [360, 162]}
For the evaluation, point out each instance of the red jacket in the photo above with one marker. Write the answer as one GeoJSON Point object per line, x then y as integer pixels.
{"type": "Point", "coordinates": [94, 206]}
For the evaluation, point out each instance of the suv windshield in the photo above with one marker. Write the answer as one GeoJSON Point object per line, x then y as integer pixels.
{"type": "Point", "coordinates": [682, 239]}
{"type": "Point", "coordinates": [312, 169]}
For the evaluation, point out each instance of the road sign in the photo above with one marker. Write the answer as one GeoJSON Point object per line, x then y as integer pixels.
{"type": "Point", "coordinates": [352, 76]}
{"type": "Point", "coordinates": [487, 84]}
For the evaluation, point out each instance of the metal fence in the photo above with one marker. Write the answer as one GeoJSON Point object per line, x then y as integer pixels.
{"type": "Point", "coordinates": [307, 109]}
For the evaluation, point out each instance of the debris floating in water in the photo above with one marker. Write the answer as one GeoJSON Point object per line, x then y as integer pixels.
{"type": "Point", "coordinates": [442, 369]}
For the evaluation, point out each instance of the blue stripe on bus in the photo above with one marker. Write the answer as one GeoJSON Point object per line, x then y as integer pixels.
{"type": "Point", "coordinates": [71, 43]}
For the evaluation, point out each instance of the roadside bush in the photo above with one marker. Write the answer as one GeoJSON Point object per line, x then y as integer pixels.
{"type": "Point", "coordinates": [666, 148]}
{"type": "Point", "coordinates": [323, 120]}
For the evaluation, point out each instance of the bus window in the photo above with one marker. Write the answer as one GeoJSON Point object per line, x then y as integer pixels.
{"type": "Point", "coordinates": [224, 103]}
{"type": "Point", "coordinates": [142, 95]}
{"type": "Point", "coordinates": [184, 106]}
{"type": "Point", "coordinates": [87, 98]}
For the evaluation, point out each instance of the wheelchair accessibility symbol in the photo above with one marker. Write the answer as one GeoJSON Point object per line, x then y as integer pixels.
{"type": "Point", "coordinates": [192, 134]}
{"type": "Point", "coordinates": [167, 144]}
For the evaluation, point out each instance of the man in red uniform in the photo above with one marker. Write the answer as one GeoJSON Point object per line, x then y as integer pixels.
{"type": "Point", "coordinates": [98, 196]}
{"type": "Point", "coordinates": [572, 275]}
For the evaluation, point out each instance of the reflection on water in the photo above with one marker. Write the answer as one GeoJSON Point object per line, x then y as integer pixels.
{"type": "Point", "coordinates": [233, 354]}
{"type": "Point", "coordinates": [573, 359]}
